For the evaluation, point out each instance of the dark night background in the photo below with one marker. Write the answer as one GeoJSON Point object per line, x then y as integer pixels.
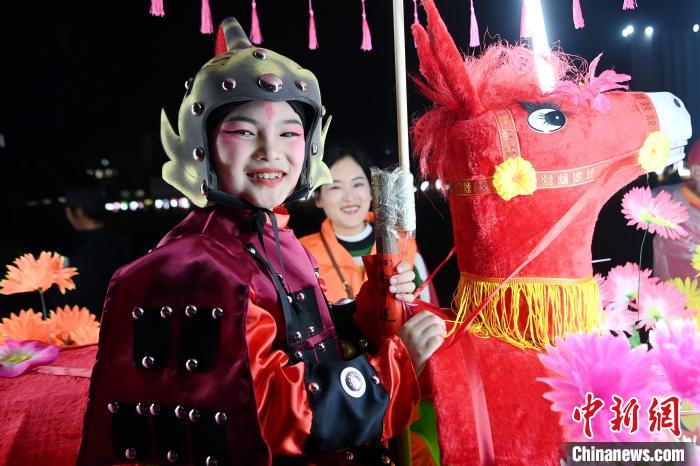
{"type": "Point", "coordinates": [85, 81]}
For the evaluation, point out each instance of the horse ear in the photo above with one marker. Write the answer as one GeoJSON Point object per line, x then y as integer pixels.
{"type": "Point", "coordinates": [447, 81]}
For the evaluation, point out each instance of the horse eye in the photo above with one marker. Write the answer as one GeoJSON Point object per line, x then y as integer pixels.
{"type": "Point", "coordinates": [546, 120]}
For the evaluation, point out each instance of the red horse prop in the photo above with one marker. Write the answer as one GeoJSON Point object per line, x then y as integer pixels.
{"type": "Point", "coordinates": [528, 172]}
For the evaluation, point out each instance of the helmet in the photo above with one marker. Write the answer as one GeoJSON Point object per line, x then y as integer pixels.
{"type": "Point", "coordinates": [242, 73]}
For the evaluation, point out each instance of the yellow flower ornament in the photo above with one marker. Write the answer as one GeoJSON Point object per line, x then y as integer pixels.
{"type": "Point", "coordinates": [514, 177]}
{"type": "Point", "coordinates": [655, 151]}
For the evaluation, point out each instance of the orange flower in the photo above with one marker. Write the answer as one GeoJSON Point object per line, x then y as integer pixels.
{"type": "Point", "coordinates": [30, 274]}
{"type": "Point", "coordinates": [86, 335]}
{"type": "Point", "coordinates": [63, 322]}
{"type": "Point", "coordinates": [28, 325]}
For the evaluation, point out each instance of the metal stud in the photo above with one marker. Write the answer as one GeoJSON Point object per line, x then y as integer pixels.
{"type": "Point", "coordinates": [180, 412]}
{"type": "Point", "coordinates": [148, 361]}
{"type": "Point", "coordinates": [113, 407]}
{"type": "Point", "coordinates": [312, 330]}
{"type": "Point", "coordinates": [314, 387]}
{"type": "Point", "coordinates": [137, 313]}
{"type": "Point", "coordinates": [211, 461]}
{"type": "Point", "coordinates": [228, 84]}
{"type": "Point", "coordinates": [349, 456]}
{"type": "Point", "coordinates": [204, 188]}
{"type": "Point", "coordinates": [188, 84]}
{"type": "Point", "coordinates": [301, 85]}
{"type": "Point", "coordinates": [166, 312]}
{"type": "Point", "coordinates": [270, 82]}
{"type": "Point", "coordinates": [314, 149]}
{"type": "Point", "coordinates": [220, 418]}
{"type": "Point", "coordinates": [260, 54]}
{"type": "Point", "coordinates": [198, 154]}
{"type": "Point", "coordinates": [297, 336]}
{"type": "Point", "coordinates": [141, 408]}
{"type": "Point", "coordinates": [194, 415]}
{"type": "Point", "coordinates": [299, 355]}
{"type": "Point", "coordinates": [191, 311]}
{"type": "Point", "coordinates": [363, 343]}
{"type": "Point", "coordinates": [321, 347]}
{"type": "Point", "coordinates": [251, 250]}
{"type": "Point", "coordinates": [385, 459]}
{"type": "Point", "coordinates": [300, 297]}
{"type": "Point", "coordinates": [289, 298]}
{"type": "Point", "coordinates": [191, 364]}
{"type": "Point", "coordinates": [323, 111]}
{"type": "Point", "coordinates": [130, 453]}
{"type": "Point", "coordinates": [172, 456]}
{"type": "Point", "coordinates": [154, 409]}
{"type": "Point", "coordinates": [217, 313]}
{"type": "Point", "coordinates": [197, 108]}
{"type": "Point", "coordinates": [375, 380]}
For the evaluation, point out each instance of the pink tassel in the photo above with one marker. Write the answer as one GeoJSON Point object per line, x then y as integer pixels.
{"type": "Point", "coordinates": [255, 34]}
{"type": "Point", "coordinates": [366, 36]}
{"type": "Point", "coordinates": [313, 40]}
{"type": "Point", "coordinates": [415, 12]}
{"type": "Point", "coordinates": [578, 16]}
{"type": "Point", "coordinates": [206, 26]}
{"type": "Point", "coordinates": [524, 27]}
{"type": "Point", "coordinates": [157, 8]}
{"type": "Point", "coordinates": [629, 4]}
{"type": "Point", "coordinates": [473, 29]}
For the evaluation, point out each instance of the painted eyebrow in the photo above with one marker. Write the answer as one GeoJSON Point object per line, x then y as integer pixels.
{"type": "Point", "coordinates": [255, 122]}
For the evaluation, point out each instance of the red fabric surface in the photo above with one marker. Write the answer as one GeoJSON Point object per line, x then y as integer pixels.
{"type": "Point", "coordinates": [42, 414]}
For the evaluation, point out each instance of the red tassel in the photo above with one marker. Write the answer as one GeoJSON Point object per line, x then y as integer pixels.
{"type": "Point", "coordinates": [206, 27]}
{"type": "Point", "coordinates": [313, 40]}
{"type": "Point", "coordinates": [524, 26]}
{"type": "Point", "coordinates": [578, 16]}
{"type": "Point", "coordinates": [157, 8]}
{"type": "Point", "coordinates": [473, 28]}
{"type": "Point", "coordinates": [629, 4]}
{"type": "Point", "coordinates": [220, 42]}
{"type": "Point", "coordinates": [366, 35]}
{"type": "Point", "coordinates": [255, 34]}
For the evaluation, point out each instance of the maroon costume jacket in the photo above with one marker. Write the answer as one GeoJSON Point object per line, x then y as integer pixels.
{"type": "Point", "coordinates": [201, 361]}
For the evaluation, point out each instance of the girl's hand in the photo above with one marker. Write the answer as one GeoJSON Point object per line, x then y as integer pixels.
{"type": "Point", "coordinates": [422, 335]}
{"type": "Point", "coordinates": [401, 284]}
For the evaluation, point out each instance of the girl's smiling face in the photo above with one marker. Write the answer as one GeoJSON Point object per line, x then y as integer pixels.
{"type": "Point", "coordinates": [259, 152]}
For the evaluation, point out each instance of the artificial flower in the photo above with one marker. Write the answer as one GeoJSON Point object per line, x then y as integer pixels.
{"type": "Point", "coordinates": [623, 283]}
{"type": "Point", "coordinates": [28, 325]}
{"type": "Point", "coordinates": [654, 152]}
{"type": "Point", "coordinates": [85, 335]}
{"type": "Point", "coordinates": [17, 357]}
{"type": "Point", "coordinates": [678, 353]}
{"type": "Point", "coordinates": [619, 320]}
{"type": "Point", "coordinates": [661, 301]}
{"type": "Point", "coordinates": [591, 90]}
{"type": "Point", "coordinates": [690, 289]}
{"type": "Point", "coordinates": [32, 274]}
{"type": "Point", "coordinates": [64, 321]}
{"type": "Point", "coordinates": [660, 214]}
{"type": "Point", "coordinates": [514, 177]}
{"type": "Point", "coordinates": [696, 259]}
{"type": "Point", "coordinates": [603, 365]}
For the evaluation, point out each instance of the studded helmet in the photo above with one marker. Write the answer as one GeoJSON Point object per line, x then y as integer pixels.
{"type": "Point", "coordinates": [242, 73]}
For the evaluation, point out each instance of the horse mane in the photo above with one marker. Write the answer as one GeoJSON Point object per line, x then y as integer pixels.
{"type": "Point", "coordinates": [465, 87]}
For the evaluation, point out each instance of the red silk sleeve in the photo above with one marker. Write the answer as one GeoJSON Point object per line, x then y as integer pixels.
{"type": "Point", "coordinates": [283, 407]}
{"type": "Point", "coordinates": [280, 390]}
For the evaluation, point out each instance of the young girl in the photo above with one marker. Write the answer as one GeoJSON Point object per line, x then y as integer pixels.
{"type": "Point", "coordinates": [347, 233]}
{"type": "Point", "coordinates": [218, 346]}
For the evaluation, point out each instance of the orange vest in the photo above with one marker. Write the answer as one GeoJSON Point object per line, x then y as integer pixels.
{"type": "Point", "coordinates": [353, 274]}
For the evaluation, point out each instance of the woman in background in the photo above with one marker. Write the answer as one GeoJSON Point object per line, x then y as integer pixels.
{"type": "Point", "coordinates": [347, 233]}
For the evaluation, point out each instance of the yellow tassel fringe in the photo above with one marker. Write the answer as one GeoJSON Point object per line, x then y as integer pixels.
{"type": "Point", "coordinates": [528, 312]}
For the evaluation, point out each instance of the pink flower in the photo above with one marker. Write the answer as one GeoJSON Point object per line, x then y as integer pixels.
{"type": "Point", "coordinates": [661, 301]}
{"type": "Point", "coordinates": [623, 283]}
{"type": "Point", "coordinates": [603, 292]}
{"type": "Point", "coordinates": [591, 90]}
{"type": "Point", "coordinates": [17, 357]}
{"type": "Point", "coordinates": [678, 353]}
{"type": "Point", "coordinates": [603, 365]}
{"type": "Point", "coordinates": [660, 214]}
{"type": "Point", "coordinates": [621, 320]}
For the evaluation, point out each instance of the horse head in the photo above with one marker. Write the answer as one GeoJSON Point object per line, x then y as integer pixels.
{"type": "Point", "coordinates": [528, 172]}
